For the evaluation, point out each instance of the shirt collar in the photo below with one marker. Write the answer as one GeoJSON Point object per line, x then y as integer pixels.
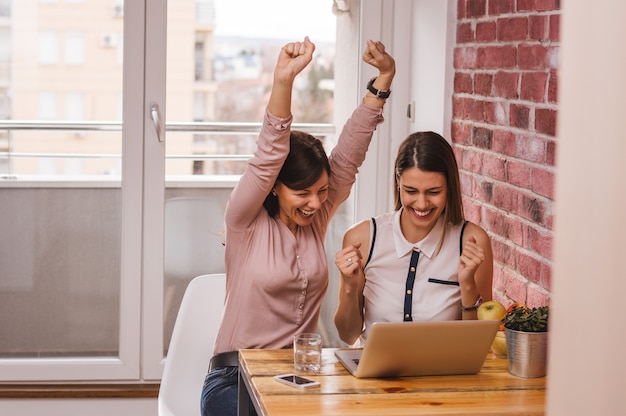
{"type": "Point", "coordinates": [427, 246]}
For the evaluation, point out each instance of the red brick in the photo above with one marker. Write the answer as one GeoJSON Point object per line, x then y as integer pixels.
{"type": "Point", "coordinates": [505, 84]}
{"type": "Point", "coordinates": [465, 57]}
{"type": "Point", "coordinates": [506, 227]}
{"type": "Point", "coordinates": [512, 29]}
{"type": "Point", "coordinates": [537, 297]}
{"type": "Point", "coordinates": [496, 113]}
{"type": "Point", "coordinates": [552, 57]}
{"type": "Point", "coordinates": [537, 28]}
{"type": "Point", "coordinates": [503, 253]}
{"type": "Point", "coordinates": [530, 207]}
{"type": "Point", "coordinates": [546, 276]}
{"type": "Point", "coordinates": [497, 7]}
{"type": "Point", "coordinates": [472, 161]}
{"type": "Point", "coordinates": [476, 8]}
{"type": "Point", "coordinates": [531, 56]}
{"type": "Point", "coordinates": [465, 179]}
{"type": "Point", "coordinates": [463, 83]}
{"type": "Point", "coordinates": [461, 133]}
{"type": "Point", "coordinates": [540, 242]}
{"type": "Point", "coordinates": [500, 57]}
{"type": "Point", "coordinates": [461, 9]}
{"type": "Point", "coordinates": [519, 116]}
{"type": "Point", "coordinates": [528, 266]}
{"type": "Point", "coordinates": [526, 5]}
{"type": "Point", "coordinates": [550, 153]}
{"type": "Point", "coordinates": [483, 83]}
{"type": "Point", "coordinates": [545, 121]}
{"type": "Point", "coordinates": [482, 190]}
{"type": "Point", "coordinates": [475, 110]}
{"type": "Point", "coordinates": [471, 211]}
{"type": "Point", "coordinates": [531, 148]}
{"type": "Point", "coordinates": [552, 86]}
{"type": "Point", "coordinates": [555, 27]}
{"type": "Point", "coordinates": [494, 166]}
{"type": "Point", "coordinates": [482, 137]}
{"type": "Point", "coordinates": [505, 197]}
{"type": "Point", "coordinates": [515, 289]}
{"type": "Point", "coordinates": [543, 182]}
{"type": "Point", "coordinates": [458, 107]}
{"type": "Point", "coordinates": [485, 31]}
{"type": "Point", "coordinates": [533, 86]}
{"type": "Point", "coordinates": [547, 5]}
{"type": "Point", "coordinates": [464, 33]}
{"type": "Point", "coordinates": [518, 173]}
{"type": "Point", "coordinates": [504, 142]}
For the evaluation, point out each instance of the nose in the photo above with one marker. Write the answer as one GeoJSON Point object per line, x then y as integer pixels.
{"type": "Point", "coordinates": [421, 201]}
{"type": "Point", "coordinates": [314, 202]}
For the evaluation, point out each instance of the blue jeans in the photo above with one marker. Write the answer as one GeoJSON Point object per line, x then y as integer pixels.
{"type": "Point", "coordinates": [220, 392]}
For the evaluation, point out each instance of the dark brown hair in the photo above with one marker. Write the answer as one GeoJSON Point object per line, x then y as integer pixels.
{"type": "Point", "coordinates": [304, 165]}
{"type": "Point", "coordinates": [430, 152]}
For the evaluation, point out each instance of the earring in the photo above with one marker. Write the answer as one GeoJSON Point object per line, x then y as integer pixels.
{"type": "Point", "coordinates": [274, 193]}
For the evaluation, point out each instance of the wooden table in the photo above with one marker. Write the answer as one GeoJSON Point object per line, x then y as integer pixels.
{"type": "Point", "coordinates": [493, 391]}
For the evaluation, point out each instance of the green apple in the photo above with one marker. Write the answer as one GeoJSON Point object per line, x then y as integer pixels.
{"type": "Point", "coordinates": [491, 310]}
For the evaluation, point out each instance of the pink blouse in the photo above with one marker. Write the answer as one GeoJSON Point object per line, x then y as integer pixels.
{"type": "Point", "coordinates": [275, 280]}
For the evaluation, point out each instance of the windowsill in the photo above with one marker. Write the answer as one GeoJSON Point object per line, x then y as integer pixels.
{"type": "Point", "coordinates": [78, 391]}
{"type": "Point", "coordinates": [187, 181]}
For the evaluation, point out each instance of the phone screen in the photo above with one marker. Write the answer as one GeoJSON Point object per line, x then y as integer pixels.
{"type": "Point", "coordinates": [296, 379]}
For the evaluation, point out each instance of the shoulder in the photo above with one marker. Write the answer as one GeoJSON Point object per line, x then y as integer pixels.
{"type": "Point", "coordinates": [476, 231]}
{"type": "Point", "coordinates": [359, 232]}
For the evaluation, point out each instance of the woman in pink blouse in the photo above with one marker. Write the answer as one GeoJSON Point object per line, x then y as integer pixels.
{"type": "Point", "coordinates": [276, 221]}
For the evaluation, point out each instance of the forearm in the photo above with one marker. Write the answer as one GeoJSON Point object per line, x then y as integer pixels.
{"type": "Point", "coordinates": [349, 314]}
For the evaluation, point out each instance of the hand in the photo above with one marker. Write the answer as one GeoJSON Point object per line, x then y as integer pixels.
{"type": "Point", "coordinates": [472, 256]}
{"type": "Point", "coordinates": [376, 56]}
{"type": "Point", "coordinates": [293, 58]}
{"type": "Point", "coordinates": [348, 261]}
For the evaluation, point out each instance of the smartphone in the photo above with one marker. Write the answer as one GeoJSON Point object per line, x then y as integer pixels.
{"type": "Point", "coordinates": [294, 380]}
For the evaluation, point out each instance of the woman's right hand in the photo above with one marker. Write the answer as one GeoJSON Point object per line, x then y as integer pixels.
{"type": "Point", "coordinates": [293, 58]}
{"type": "Point", "coordinates": [348, 261]}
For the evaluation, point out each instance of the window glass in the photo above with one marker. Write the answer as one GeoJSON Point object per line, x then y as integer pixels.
{"type": "Point", "coordinates": [48, 47]}
{"type": "Point", "coordinates": [74, 48]}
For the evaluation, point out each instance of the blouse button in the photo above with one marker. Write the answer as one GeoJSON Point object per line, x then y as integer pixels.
{"type": "Point", "coordinates": [303, 292]}
{"type": "Point", "coordinates": [408, 292]}
{"type": "Point", "coordinates": [301, 306]}
{"type": "Point", "coordinates": [412, 269]}
{"type": "Point", "coordinates": [406, 315]}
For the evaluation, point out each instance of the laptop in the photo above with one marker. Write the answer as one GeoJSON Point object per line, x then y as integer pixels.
{"type": "Point", "coordinates": [407, 349]}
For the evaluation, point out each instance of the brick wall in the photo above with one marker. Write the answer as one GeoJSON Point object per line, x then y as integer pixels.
{"type": "Point", "coordinates": [503, 133]}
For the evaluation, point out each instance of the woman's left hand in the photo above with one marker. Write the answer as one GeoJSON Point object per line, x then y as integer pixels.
{"type": "Point", "coordinates": [471, 258]}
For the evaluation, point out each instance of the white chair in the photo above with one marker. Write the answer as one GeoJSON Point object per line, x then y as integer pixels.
{"type": "Point", "coordinates": [191, 346]}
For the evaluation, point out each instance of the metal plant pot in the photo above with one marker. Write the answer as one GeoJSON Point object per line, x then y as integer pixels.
{"type": "Point", "coordinates": [527, 353]}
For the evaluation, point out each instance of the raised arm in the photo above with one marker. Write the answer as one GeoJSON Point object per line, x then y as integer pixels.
{"type": "Point", "coordinates": [293, 58]}
{"type": "Point", "coordinates": [246, 199]}
{"type": "Point", "coordinates": [376, 56]}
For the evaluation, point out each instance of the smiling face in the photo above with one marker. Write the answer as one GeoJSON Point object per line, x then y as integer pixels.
{"type": "Point", "coordinates": [299, 207]}
{"type": "Point", "coordinates": [423, 195]}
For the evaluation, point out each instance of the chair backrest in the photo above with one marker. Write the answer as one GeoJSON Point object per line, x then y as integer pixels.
{"type": "Point", "coordinates": [191, 346]}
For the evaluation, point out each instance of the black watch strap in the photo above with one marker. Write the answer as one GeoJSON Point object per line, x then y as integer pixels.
{"type": "Point", "coordinates": [383, 95]}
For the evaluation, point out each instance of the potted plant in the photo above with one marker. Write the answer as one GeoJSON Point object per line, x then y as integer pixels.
{"type": "Point", "coordinates": [526, 340]}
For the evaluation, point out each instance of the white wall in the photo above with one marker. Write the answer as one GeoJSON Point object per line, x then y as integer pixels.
{"type": "Point", "coordinates": [587, 366]}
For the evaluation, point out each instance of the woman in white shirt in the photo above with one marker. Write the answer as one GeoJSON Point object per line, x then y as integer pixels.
{"type": "Point", "coordinates": [423, 261]}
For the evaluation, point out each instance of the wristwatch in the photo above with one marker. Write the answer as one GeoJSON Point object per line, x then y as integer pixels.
{"type": "Point", "coordinates": [479, 301]}
{"type": "Point", "coordinates": [383, 95]}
